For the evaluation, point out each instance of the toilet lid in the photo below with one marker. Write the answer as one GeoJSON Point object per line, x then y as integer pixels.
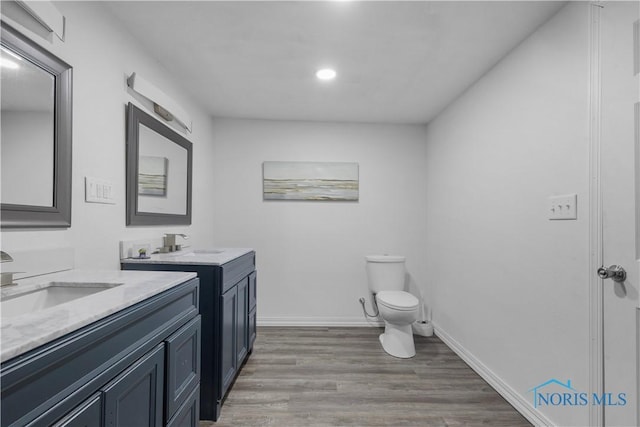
{"type": "Point", "coordinates": [398, 300]}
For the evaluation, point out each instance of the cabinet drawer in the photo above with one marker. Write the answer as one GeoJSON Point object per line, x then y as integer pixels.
{"type": "Point", "coordinates": [183, 365]}
{"type": "Point", "coordinates": [235, 270]}
{"type": "Point", "coordinates": [88, 414]}
{"type": "Point", "coordinates": [188, 414]}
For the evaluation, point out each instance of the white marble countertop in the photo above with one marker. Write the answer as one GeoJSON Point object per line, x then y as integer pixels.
{"type": "Point", "coordinates": [214, 256]}
{"type": "Point", "coordinates": [23, 332]}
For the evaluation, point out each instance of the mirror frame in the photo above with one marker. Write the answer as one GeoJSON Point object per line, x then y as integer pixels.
{"type": "Point", "coordinates": [58, 215]}
{"type": "Point", "coordinates": [135, 117]}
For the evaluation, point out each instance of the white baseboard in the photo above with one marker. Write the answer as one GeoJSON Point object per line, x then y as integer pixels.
{"type": "Point", "coordinates": [521, 404]}
{"type": "Point", "coordinates": [318, 321]}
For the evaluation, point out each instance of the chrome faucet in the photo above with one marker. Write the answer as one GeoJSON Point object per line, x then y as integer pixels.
{"type": "Point", "coordinates": [5, 257]}
{"type": "Point", "coordinates": [170, 242]}
{"type": "Point", "coordinates": [6, 278]}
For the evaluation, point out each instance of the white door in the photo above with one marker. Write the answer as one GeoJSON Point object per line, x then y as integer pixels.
{"type": "Point", "coordinates": [619, 159]}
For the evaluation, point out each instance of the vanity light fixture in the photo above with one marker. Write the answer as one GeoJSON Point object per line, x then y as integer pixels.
{"type": "Point", "coordinates": [326, 74]}
{"type": "Point", "coordinates": [46, 14]}
{"type": "Point", "coordinates": [163, 105]}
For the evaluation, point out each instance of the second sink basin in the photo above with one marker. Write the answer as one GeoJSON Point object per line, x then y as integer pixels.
{"type": "Point", "coordinates": [55, 293]}
{"type": "Point", "coordinates": [202, 252]}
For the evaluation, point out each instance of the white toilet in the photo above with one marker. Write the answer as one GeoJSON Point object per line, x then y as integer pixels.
{"type": "Point", "coordinates": [398, 309]}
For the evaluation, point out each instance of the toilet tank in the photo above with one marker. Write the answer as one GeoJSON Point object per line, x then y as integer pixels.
{"type": "Point", "coordinates": [385, 273]}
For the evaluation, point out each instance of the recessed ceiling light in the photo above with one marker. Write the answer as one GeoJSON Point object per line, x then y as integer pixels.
{"type": "Point", "coordinates": [326, 74]}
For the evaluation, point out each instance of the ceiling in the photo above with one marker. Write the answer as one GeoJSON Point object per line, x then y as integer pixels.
{"type": "Point", "coordinates": [397, 62]}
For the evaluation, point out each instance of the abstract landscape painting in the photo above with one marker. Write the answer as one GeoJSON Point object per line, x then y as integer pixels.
{"type": "Point", "coordinates": [152, 176]}
{"type": "Point", "coordinates": [310, 181]}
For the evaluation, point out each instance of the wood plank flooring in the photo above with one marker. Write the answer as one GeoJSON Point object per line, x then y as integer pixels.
{"type": "Point", "coordinates": [342, 377]}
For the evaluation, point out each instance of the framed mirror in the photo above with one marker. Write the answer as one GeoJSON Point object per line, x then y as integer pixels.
{"type": "Point", "coordinates": [159, 170]}
{"type": "Point", "coordinates": [35, 147]}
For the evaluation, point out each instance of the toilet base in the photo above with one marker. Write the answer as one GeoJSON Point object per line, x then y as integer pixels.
{"type": "Point", "coordinates": [397, 340]}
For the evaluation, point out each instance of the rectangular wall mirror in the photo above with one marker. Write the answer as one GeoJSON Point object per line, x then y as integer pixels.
{"type": "Point", "coordinates": [159, 170]}
{"type": "Point", "coordinates": [36, 134]}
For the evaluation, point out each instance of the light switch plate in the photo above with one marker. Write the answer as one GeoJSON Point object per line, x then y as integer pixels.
{"type": "Point", "coordinates": [98, 191]}
{"type": "Point", "coordinates": [563, 207]}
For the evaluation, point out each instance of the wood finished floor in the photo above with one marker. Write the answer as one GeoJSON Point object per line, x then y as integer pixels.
{"type": "Point", "coordinates": [342, 377]}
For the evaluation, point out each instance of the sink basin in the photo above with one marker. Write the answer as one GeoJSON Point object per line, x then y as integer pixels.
{"type": "Point", "coordinates": [202, 252]}
{"type": "Point", "coordinates": [55, 293]}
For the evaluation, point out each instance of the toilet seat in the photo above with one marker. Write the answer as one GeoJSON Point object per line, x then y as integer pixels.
{"type": "Point", "coordinates": [397, 300]}
{"type": "Point", "coordinates": [384, 258]}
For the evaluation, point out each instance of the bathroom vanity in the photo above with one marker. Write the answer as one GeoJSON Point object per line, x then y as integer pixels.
{"type": "Point", "coordinates": [228, 310]}
{"type": "Point", "coordinates": [101, 349]}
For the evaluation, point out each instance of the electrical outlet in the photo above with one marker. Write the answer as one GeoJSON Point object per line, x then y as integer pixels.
{"type": "Point", "coordinates": [563, 207]}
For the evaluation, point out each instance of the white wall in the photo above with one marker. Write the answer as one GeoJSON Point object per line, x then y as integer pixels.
{"type": "Point", "coordinates": [509, 287]}
{"type": "Point", "coordinates": [102, 55]}
{"type": "Point", "coordinates": [310, 255]}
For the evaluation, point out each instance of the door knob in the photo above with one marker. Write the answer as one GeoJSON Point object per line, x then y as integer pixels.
{"type": "Point", "coordinates": [614, 272]}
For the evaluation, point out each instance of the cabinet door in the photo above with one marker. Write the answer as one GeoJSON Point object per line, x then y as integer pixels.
{"type": "Point", "coordinates": [253, 302]}
{"type": "Point", "coordinates": [188, 415]}
{"type": "Point", "coordinates": [253, 291]}
{"type": "Point", "coordinates": [135, 397]}
{"type": "Point", "coordinates": [183, 365]}
{"type": "Point", "coordinates": [88, 414]}
{"type": "Point", "coordinates": [228, 335]}
{"type": "Point", "coordinates": [252, 328]}
{"type": "Point", "coordinates": [242, 333]}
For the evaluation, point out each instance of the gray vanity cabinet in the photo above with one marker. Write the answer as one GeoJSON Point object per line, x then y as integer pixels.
{"type": "Point", "coordinates": [228, 310]}
{"type": "Point", "coordinates": [138, 367]}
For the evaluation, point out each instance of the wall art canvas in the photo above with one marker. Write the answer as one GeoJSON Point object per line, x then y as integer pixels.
{"type": "Point", "coordinates": [152, 176]}
{"type": "Point", "coordinates": [310, 181]}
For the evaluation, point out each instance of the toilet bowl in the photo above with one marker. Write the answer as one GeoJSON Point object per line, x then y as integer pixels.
{"type": "Point", "coordinates": [398, 309]}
